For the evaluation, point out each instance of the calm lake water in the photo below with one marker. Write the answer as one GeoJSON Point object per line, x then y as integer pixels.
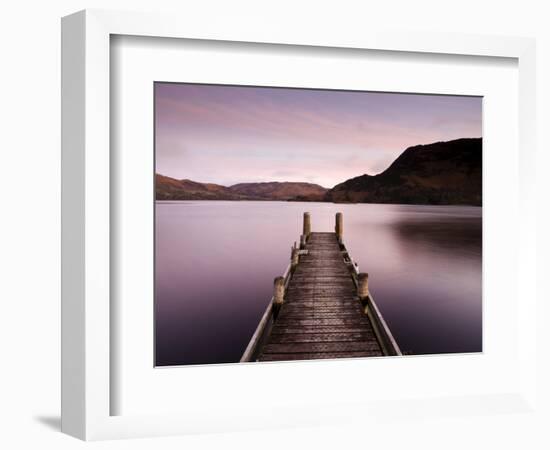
{"type": "Point", "coordinates": [216, 260]}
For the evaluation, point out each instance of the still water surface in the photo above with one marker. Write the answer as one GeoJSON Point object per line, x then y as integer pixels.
{"type": "Point", "coordinates": [216, 260]}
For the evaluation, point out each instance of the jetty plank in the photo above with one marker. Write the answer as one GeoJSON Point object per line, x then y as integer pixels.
{"type": "Point", "coordinates": [305, 356]}
{"type": "Point", "coordinates": [321, 316]}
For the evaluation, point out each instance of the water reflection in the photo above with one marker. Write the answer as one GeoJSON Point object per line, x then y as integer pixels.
{"type": "Point", "coordinates": [445, 233]}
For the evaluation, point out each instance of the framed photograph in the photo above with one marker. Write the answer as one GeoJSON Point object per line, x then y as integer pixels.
{"type": "Point", "coordinates": [237, 167]}
{"type": "Point", "coordinates": [263, 211]}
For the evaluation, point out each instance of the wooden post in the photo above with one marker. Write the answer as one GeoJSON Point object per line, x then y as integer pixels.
{"type": "Point", "coordinates": [294, 256]}
{"type": "Point", "coordinates": [307, 224]}
{"type": "Point", "coordinates": [278, 291]}
{"type": "Point", "coordinates": [302, 242]}
{"type": "Point", "coordinates": [363, 285]}
{"type": "Point", "coordinates": [339, 227]}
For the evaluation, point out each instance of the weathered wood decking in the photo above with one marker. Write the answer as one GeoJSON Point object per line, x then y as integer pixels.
{"type": "Point", "coordinates": [321, 316]}
{"type": "Point", "coordinates": [322, 312]}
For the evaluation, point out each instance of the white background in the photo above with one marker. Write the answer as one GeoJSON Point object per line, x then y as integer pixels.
{"type": "Point", "coordinates": [29, 228]}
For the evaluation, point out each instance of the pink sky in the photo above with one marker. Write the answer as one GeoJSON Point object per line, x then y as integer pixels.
{"type": "Point", "coordinates": [234, 134]}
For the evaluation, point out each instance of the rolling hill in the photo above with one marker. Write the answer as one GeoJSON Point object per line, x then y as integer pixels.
{"type": "Point", "coordinates": [281, 190]}
{"type": "Point", "coordinates": [446, 173]}
{"type": "Point", "coordinates": [167, 188]}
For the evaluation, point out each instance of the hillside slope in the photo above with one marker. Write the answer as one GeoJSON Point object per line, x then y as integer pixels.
{"type": "Point", "coordinates": [435, 174]}
{"type": "Point", "coordinates": [167, 188]}
{"type": "Point", "coordinates": [281, 190]}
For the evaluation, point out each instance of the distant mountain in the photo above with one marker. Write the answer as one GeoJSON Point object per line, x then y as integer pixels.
{"type": "Point", "coordinates": [281, 191]}
{"type": "Point", "coordinates": [435, 174]}
{"type": "Point", "coordinates": [167, 188]}
{"type": "Point", "coordinates": [172, 189]}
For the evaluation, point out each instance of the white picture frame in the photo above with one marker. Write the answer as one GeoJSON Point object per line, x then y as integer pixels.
{"type": "Point", "coordinates": [86, 218]}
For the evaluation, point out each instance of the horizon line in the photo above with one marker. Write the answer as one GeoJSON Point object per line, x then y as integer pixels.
{"type": "Point", "coordinates": [308, 182]}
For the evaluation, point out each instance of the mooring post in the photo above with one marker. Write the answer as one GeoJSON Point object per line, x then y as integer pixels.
{"type": "Point", "coordinates": [363, 285]}
{"type": "Point", "coordinates": [294, 255]}
{"type": "Point", "coordinates": [307, 224]}
{"type": "Point", "coordinates": [339, 227]}
{"type": "Point", "coordinates": [278, 293]}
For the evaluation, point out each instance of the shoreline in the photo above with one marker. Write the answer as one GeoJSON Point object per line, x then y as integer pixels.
{"type": "Point", "coordinates": [313, 201]}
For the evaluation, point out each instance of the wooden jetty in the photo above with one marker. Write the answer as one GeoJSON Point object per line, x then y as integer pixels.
{"type": "Point", "coordinates": [321, 306]}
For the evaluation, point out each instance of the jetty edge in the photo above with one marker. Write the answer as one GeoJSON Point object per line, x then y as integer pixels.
{"type": "Point", "coordinates": [321, 306]}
